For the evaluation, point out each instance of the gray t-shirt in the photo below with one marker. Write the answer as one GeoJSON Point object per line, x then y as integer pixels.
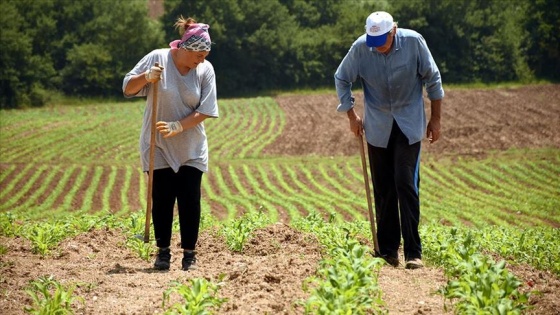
{"type": "Point", "coordinates": [178, 96]}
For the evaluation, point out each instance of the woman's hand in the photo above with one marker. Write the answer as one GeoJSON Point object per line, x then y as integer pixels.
{"type": "Point", "coordinates": [169, 129]}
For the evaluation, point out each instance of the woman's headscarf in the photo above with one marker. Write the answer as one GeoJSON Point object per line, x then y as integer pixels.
{"type": "Point", "coordinates": [195, 38]}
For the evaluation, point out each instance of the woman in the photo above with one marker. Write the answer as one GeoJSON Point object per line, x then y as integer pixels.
{"type": "Point", "coordinates": [186, 97]}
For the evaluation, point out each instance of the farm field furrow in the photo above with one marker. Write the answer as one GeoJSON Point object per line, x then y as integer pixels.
{"type": "Point", "coordinates": [217, 205]}
{"type": "Point", "coordinates": [288, 202]}
{"type": "Point", "coordinates": [10, 183]}
{"type": "Point", "coordinates": [347, 206]}
{"type": "Point", "coordinates": [286, 179]}
{"type": "Point", "coordinates": [273, 131]}
{"type": "Point", "coordinates": [493, 193]}
{"type": "Point", "coordinates": [460, 197]}
{"type": "Point", "coordinates": [224, 144]}
{"type": "Point", "coordinates": [534, 195]}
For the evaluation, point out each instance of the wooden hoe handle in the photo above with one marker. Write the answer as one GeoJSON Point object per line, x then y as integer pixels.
{"type": "Point", "coordinates": [368, 194]}
{"type": "Point", "coordinates": [155, 86]}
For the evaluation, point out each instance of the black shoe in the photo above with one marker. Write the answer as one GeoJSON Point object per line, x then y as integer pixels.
{"type": "Point", "coordinates": [393, 261]}
{"type": "Point", "coordinates": [163, 259]}
{"type": "Point", "coordinates": [189, 260]}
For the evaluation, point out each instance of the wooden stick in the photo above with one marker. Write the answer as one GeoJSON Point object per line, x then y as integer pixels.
{"type": "Point", "coordinates": [368, 194]}
{"type": "Point", "coordinates": [152, 157]}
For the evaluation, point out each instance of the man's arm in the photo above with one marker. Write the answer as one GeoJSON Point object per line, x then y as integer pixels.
{"type": "Point", "coordinates": [434, 127]}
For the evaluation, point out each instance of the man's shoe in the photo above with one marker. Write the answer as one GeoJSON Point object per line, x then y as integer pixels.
{"type": "Point", "coordinates": [189, 260]}
{"type": "Point", "coordinates": [415, 263]}
{"type": "Point", "coordinates": [393, 261]}
{"type": "Point", "coordinates": [163, 259]}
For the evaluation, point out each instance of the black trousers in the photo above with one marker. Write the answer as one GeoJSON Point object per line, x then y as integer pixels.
{"type": "Point", "coordinates": [396, 179]}
{"type": "Point", "coordinates": [184, 187]}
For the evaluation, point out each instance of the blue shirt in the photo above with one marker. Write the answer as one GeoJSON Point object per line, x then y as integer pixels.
{"type": "Point", "coordinates": [393, 85]}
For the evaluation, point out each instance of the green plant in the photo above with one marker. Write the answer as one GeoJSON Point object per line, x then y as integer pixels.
{"type": "Point", "coordinates": [46, 236]}
{"type": "Point", "coordinates": [144, 250]}
{"type": "Point", "coordinates": [346, 283]}
{"type": "Point", "coordinates": [485, 288]}
{"type": "Point", "coordinates": [347, 279]}
{"type": "Point", "coordinates": [50, 297]}
{"type": "Point", "coordinates": [476, 284]}
{"type": "Point", "coordinates": [238, 232]}
{"type": "Point", "coordinates": [7, 224]}
{"type": "Point", "coordinates": [199, 297]}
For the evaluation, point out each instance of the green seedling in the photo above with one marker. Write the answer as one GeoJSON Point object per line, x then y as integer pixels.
{"type": "Point", "coordinates": [144, 250]}
{"type": "Point", "coordinates": [199, 298]}
{"type": "Point", "coordinates": [50, 297]}
{"type": "Point", "coordinates": [239, 231]}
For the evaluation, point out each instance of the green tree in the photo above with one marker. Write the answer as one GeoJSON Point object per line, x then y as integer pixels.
{"type": "Point", "coordinates": [105, 44]}
{"type": "Point", "coordinates": [82, 47]}
{"type": "Point", "coordinates": [471, 40]}
{"type": "Point", "coordinates": [251, 40]}
{"type": "Point", "coordinates": [25, 71]}
{"type": "Point", "coordinates": [274, 44]}
{"type": "Point", "coordinates": [543, 44]}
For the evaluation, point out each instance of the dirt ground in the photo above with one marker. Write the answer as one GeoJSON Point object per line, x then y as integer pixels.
{"type": "Point", "coordinates": [266, 278]}
{"type": "Point", "coordinates": [473, 122]}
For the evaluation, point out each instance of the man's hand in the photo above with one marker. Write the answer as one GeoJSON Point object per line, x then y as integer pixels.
{"type": "Point", "coordinates": [169, 129]}
{"type": "Point", "coordinates": [356, 124]}
{"type": "Point", "coordinates": [154, 74]}
{"type": "Point", "coordinates": [433, 130]}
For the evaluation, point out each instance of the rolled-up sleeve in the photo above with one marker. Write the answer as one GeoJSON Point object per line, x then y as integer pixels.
{"type": "Point", "coordinates": [345, 75]}
{"type": "Point", "coordinates": [429, 72]}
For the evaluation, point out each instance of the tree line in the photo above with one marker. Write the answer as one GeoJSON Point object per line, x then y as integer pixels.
{"type": "Point", "coordinates": [85, 47]}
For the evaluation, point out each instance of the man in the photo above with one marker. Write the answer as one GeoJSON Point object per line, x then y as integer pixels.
{"type": "Point", "coordinates": [393, 65]}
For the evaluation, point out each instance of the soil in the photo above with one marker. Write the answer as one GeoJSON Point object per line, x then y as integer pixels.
{"type": "Point", "coordinates": [267, 276]}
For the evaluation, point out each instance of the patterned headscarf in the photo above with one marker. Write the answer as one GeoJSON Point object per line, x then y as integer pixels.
{"type": "Point", "coordinates": [195, 38]}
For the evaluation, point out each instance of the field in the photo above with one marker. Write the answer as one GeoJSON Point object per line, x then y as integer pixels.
{"type": "Point", "coordinates": [282, 164]}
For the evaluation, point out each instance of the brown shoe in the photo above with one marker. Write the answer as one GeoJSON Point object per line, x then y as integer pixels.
{"type": "Point", "coordinates": [393, 261]}
{"type": "Point", "coordinates": [415, 263]}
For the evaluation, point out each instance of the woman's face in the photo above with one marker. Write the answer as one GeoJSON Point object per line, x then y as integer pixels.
{"type": "Point", "coordinates": [192, 58]}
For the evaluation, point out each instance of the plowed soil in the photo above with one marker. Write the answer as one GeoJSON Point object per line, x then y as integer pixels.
{"type": "Point", "coordinates": [267, 276]}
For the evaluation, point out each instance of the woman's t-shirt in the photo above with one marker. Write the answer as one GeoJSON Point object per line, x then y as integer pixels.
{"type": "Point", "coordinates": [178, 96]}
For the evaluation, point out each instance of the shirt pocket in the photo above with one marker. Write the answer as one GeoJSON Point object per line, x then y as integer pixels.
{"type": "Point", "coordinates": [402, 74]}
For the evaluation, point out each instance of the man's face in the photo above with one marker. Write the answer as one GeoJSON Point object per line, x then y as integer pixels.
{"type": "Point", "coordinates": [387, 46]}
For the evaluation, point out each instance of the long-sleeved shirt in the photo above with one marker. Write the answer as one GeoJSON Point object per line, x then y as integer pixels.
{"type": "Point", "coordinates": [392, 84]}
{"type": "Point", "coordinates": [178, 96]}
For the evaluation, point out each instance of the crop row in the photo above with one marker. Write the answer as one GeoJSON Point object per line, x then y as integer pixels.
{"type": "Point", "coordinates": [109, 133]}
{"type": "Point", "coordinates": [85, 159]}
{"type": "Point", "coordinates": [471, 193]}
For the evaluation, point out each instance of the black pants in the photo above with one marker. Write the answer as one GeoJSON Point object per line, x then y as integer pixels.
{"type": "Point", "coordinates": [184, 187]}
{"type": "Point", "coordinates": [396, 180]}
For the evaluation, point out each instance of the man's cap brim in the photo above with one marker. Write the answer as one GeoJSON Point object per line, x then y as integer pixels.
{"type": "Point", "coordinates": [376, 41]}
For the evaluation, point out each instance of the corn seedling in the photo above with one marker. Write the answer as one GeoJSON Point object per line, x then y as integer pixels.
{"type": "Point", "coordinates": [347, 278]}
{"type": "Point", "coordinates": [8, 227]}
{"type": "Point", "coordinates": [476, 284]}
{"type": "Point", "coordinates": [239, 231]}
{"type": "Point", "coordinates": [46, 236]}
{"type": "Point", "coordinates": [50, 297]}
{"type": "Point", "coordinates": [144, 250]}
{"type": "Point", "coordinates": [199, 298]}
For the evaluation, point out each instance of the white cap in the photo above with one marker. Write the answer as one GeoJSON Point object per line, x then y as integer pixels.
{"type": "Point", "coordinates": [378, 25]}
